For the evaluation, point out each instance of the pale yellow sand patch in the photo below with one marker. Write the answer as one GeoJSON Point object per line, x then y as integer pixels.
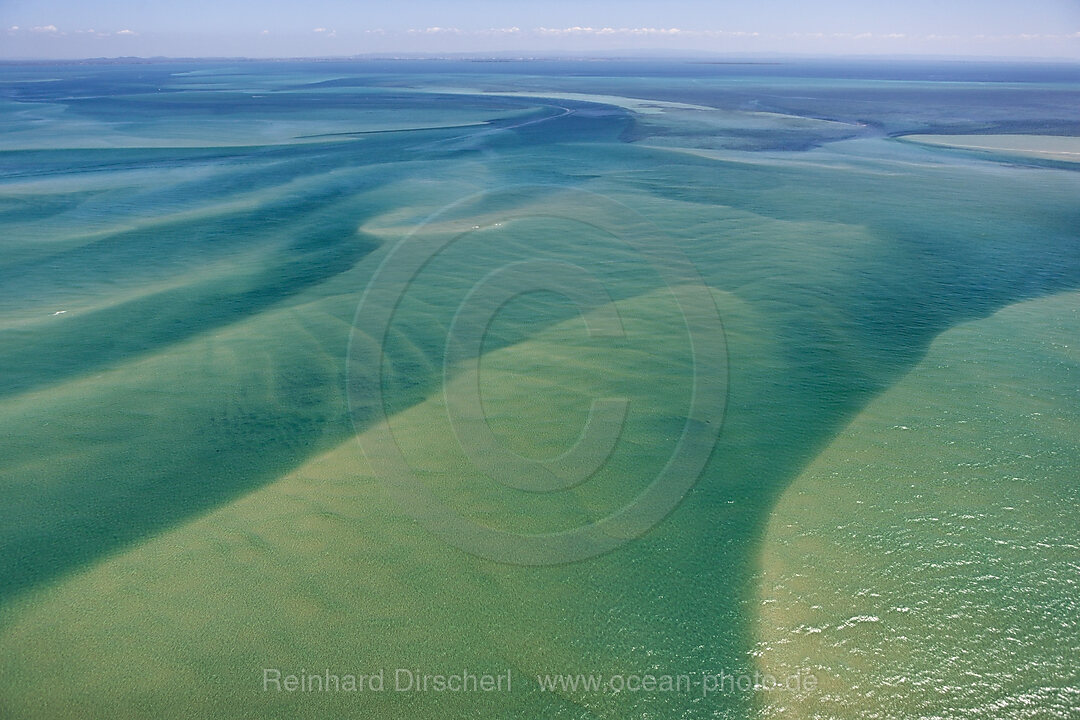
{"type": "Point", "coordinates": [1046, 147]}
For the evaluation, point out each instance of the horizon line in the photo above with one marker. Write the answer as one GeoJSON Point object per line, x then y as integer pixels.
{"type": "Point", "coordinates": [524, 56]}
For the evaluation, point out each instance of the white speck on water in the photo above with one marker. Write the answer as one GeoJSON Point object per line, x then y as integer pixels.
{"type": "Point", "coordinates": [852, 621]}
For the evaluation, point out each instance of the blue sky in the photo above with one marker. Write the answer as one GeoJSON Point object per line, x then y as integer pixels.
{"type": "Point", "coordinates": [93, 28]}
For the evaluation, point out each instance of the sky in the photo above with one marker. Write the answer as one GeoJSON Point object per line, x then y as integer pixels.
{"type": "Point", "coordinates": [319, 28]}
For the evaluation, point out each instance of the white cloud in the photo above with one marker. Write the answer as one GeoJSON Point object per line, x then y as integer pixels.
{"type": "Point", "coordinates": [576, 30]}
{"type": "Point", "coordinates": [91, 31]}
{"type": "Point", "coordinates": [126, 32]}
{"type": "Point", "coordinates": [265, 32]}
{"type": "Point", "coordinates": [436, 31]}
{"type": "Point", "coordinates": [584, 31]}
{"type": "Point", "coordinates": [607, 31]}
{"type": "Point", "coordinates": [15, 28]}
{"type": "Point", "coordinates": [587, 31]}
{"type": "Point", "coordinates": [320, 30]}
{"type": "Point", "coordinates": [44, 29]}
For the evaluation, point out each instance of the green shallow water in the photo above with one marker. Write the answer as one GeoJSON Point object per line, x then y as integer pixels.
{"type": "Point", "coordinates": [945, 586]}
{"type": "Point", "coordinates": [184, 376]}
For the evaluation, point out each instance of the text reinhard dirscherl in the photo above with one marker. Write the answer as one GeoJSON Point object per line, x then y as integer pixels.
{"type": "Point", "coordinates": [414, 680]}
{"type": "Point", "coordinates": [398, 680]}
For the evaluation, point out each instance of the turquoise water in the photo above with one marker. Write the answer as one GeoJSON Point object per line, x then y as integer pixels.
{"type": "Point", "coordinates": [188, 355]}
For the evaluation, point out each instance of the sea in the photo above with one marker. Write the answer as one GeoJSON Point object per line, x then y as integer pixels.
{"type": "Point", "coordinates": [666, 388]}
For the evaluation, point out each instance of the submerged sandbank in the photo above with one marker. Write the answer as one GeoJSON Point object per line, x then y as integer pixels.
{"type": "Point", "coordinates": [321, 570]}
{"type": "Point", "coordinates": [922, 565]}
